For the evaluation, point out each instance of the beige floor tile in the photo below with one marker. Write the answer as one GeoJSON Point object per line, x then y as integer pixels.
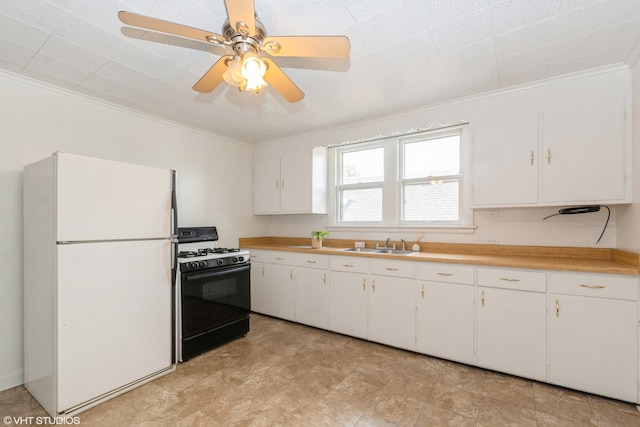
{"type": "Point", "coordinates": [285, 374]}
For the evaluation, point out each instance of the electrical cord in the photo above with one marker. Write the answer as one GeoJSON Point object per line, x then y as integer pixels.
{"type": "Point", "coordinates": [583, 210]}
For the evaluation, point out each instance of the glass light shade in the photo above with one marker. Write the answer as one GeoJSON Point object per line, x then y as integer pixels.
{"type": "Point", "coordinates": [253, 70]}
{"type": "Point", "coordinates": [233, 75]}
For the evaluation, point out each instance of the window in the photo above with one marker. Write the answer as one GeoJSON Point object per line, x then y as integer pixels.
{"type": "Point", "coordinates": [408, 181]}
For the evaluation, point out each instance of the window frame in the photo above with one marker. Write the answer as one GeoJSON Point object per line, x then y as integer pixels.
{"type": "Point", "coordinates": [392, 185]}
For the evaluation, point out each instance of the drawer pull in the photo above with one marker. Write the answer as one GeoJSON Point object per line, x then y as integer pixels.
{"type": "Point", "coordinates": [391, 269]}
{"type": "Point", "coordinates": [324, 279]}
{"type": "Point", "coordinates": [262, 271]}
{"type": "Point", "coordinates": [347, 265]}
{"type": "Point", "coordinates": [373, 285]}
{"type": "Point", "coordinates": [482, 298]}
{"type": "Point", "coordinates": [508, 279]}
{"type": "Point", "coordinates": [291, 274]}
{"type": "Point", "coordinates": [591, 286]}
{"type": "Point", "coordinates": [280, 259]}
{"type": "Point", "coordinates": [422, 290]}
{"type": "Point", "coordinates": [311, 262]}
{"type": "Point", "coordinates": [445, 274]}
{"type": "Point", "coordinates": [557, 308]}
{"type": "Point", "coordinates": [364, 284]}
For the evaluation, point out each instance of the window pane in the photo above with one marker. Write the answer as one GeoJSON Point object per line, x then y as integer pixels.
{"type": "Point", "coordinates": [431, 202]}
{"type": "Point", "coordinates": [363, 166]}
{"type": "Point", "coordinates": [432, 157]}
{"type": "Point", "coordinates": [364, 204]}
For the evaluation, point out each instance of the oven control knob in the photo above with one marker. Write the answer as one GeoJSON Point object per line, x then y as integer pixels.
{"type": "Point", "coordinates": [240, 258]}
{"type": "Point", "coordinates": [220, 261]}
{"type": "Point", "coordinates": [234, 259]}
{"type": "Point", "coordinates": [202, 264]}
{"type": "Point", "coordinates": [194, 265]}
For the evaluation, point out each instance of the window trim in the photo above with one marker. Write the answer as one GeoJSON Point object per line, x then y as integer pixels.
{"type": "Point", "coordinates": [391, 202]}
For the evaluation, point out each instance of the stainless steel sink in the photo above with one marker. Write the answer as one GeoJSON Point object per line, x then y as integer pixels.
{"type": "Point", "coordinates": [394, 251]}
{"type": "Point", "coordinates": [379, 251]}
{"type": "Point", "coordinates": [363, 250]}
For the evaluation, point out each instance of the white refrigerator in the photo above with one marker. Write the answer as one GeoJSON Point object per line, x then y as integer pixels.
{"type": "Point", "coordinates": [99, 267]}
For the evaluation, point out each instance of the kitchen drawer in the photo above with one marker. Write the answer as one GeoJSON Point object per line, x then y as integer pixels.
{"type": "Point", "coordinates": [353, 264]}
{"type": "Point", "coordinates": [443, 272]}
{"type": "Point", "coordinates": [288, 258]}
{"type": "Point", "coordinates": [258, 255]}
{"type": "Point", "coordinates": [393, 268]}
{"type": "Point", "coordinates": [506, 278]}
{"type": "Point", "coordinates": [594, 285]}
{"type": "Point", "coordinates": [312, 261]}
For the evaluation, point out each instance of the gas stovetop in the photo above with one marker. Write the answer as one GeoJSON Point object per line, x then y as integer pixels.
{"type": "Point", "coordinates": [206, 251]}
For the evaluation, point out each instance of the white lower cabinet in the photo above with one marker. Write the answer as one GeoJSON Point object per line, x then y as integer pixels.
{"type": "Point", "coordinates": [392, 302]}
{"type": "Point", "coordinates": [582, 332]}
{"type": "Point", "coordinates": [593, 333]}
{"type": "Point", "coordinates": [349, 297]}
{"type": "Point", "coordinates": [312, 290]}
{"type": "Point", "coordinates": [444, 315]}
{"type": "Point", "coordinates": [281, 285]}
{"type": "Point", "coordinates": [511, 322]}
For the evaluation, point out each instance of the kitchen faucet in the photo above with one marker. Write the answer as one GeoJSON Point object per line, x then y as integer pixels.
{"type": "Point", "coordinates": [386, 245]}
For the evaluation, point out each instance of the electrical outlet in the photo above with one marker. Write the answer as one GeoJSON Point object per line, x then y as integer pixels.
{"type": "Point", "coordinates": [358, 245]}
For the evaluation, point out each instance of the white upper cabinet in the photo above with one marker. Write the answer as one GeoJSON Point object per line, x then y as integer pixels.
{"type": "Point", "coordinates": [505, 161]}
{"type": "Point", "coordinates": [583, 156]}
{"type": "Point", "coordinates": [290, 184]}
{"type": "Point", "coordinates": [570, 155]}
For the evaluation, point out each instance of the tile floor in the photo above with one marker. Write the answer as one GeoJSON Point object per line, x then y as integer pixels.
{"type": "Point", "coordinates": [284, 374]}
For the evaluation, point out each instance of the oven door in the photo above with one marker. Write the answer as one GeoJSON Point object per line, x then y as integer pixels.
{"type": "Point", "coordinates": [213, 298]}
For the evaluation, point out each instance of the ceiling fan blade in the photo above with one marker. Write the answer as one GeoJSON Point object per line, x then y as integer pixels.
{"type": "Point", "coordinates": [212, 78]}
{"type": "Point", "coordinates": [308, 46]}
{"type": "Point", "coordinates": [242, 16]}
{"type": "Point", "coordinates": [283, 84]}
{"type": "Point", "coordinates": [167, 27]}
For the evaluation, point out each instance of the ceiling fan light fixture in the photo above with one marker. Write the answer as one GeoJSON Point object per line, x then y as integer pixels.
{"type": "Point", "coordinates": [233, 74]}
{"type": "Point", "coordinates": [253, 70]}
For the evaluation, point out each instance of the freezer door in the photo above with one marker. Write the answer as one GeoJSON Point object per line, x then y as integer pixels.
{"type": "Point", "coordinates": [114, 316]}
{"type": "Point", "coordinates": [105, 200]}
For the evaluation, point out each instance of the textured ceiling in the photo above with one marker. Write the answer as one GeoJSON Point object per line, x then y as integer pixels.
{"type": "Point", "coordinates": [404, 54]}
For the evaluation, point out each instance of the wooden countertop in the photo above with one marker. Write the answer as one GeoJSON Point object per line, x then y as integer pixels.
{"type": "Point", "coordinates": [590, 260]}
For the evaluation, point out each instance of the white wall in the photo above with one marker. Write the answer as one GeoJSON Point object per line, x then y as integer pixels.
{"type": "Point", "coordinates": [514, 226]}
{"type": "Point", "coordinates": [36, 120]}
{"type": "Point", "coordinates": [629, 216]}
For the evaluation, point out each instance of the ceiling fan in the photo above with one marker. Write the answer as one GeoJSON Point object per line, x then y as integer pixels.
{"type": "Point", "coordinates": [248, 64]}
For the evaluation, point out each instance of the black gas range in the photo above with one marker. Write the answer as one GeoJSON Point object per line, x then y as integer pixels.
{"type": "Point", "coordinates": [213, 292]}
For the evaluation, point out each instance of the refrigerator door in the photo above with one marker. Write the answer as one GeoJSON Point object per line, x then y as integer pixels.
{"type": "Point", "coordinates": [105, 200]}
{"type": "Point", "coordinates": [114, 316]}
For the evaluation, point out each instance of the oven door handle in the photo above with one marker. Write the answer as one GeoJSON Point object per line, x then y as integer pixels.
{"type": "Point", "coordinates": [216, 273]}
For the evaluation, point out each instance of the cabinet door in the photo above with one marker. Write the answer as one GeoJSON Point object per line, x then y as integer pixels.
{"type": "Point", "coordinates": [259, 287]}
{"type": "Point", "coordinates": [583, 153]}
{"type": "Point", "coordinates": [392, 311]}
{"type": "Point", "coordinates": [592, 345]}
{"type": "Point", "coordinates": [266, 186]}
{"type": "Point", "coordinates": [281, 291]}
{"type": "Point", "coordinates": [511, 331]}
{"type": "Point", "coordinates": [349, 303]}
{"type": "Point", "coordinates": [505, 161]}
{"type": "Point", "coordinates": [312, 297]}
{"type": "Point", "coordinates": [444, 324]}
{"type": "Point", "coordinates": [295, 181]}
